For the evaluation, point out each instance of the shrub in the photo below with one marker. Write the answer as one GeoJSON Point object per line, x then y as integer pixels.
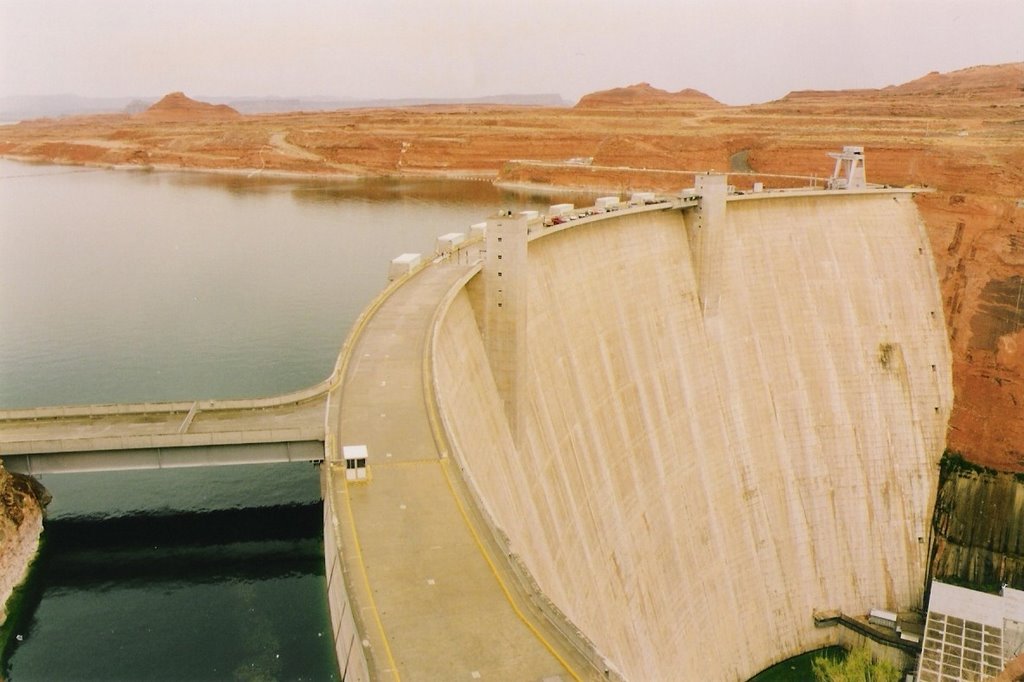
{"type": "Point", "coordinates": [858, 666]}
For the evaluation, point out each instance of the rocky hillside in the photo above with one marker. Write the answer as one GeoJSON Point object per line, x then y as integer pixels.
{"type": "Point", "coordinates": [997, 83]}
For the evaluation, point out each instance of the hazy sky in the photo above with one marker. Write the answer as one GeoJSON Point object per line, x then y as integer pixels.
{"type": "Point", "coordinates": [738, 51]}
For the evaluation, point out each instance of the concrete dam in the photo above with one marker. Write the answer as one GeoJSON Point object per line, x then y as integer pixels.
{"type": "Point", "coordinates": [642, 442]}
{"type": "Point", "coordinates": [721, 421]}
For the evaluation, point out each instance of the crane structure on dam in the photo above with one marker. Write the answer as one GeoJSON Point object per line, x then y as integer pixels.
{"type": "Point", "coordinates": [638, 440]}
{"type": "Point", "coordinates": [849, 172]}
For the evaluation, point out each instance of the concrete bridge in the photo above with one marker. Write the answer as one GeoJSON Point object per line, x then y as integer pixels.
{"type": "Point", "coordinates": [643, 442]}
{"type": "Point", "coordinates": [82, 438]}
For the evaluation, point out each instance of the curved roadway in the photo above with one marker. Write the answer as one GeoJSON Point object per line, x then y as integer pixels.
{"type": "Point", "coordinates": [431, 599]}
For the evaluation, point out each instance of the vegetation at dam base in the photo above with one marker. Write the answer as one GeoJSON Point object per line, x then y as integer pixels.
{"type": "Point", "coordinates": [831, 664]}
{"type": "Point", "coordinates": [858, 665]}
{"type": "Point", "coordinates": [978, 526]}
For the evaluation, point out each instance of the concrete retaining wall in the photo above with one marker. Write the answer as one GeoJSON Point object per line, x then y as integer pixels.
{"type": "Point", "coordinates": [690, 489]}
{"type": "Point", "coordinates": [348, 644]}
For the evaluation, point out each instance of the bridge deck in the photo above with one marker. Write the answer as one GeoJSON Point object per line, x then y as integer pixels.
{"type": "Point", "coordinates": [155, 435]}
{"type": "Point", "coordinates": [432, 601]}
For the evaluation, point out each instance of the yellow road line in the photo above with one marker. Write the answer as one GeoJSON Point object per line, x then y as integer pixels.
{"type": "Point", "coordinates": [442, 445]}
{"type": "Point", "coordinates": [334, 382]}
{"type": "Point", "coordinates": [501, 583]}
{"type": "Point", "coordinates": [403, 463]}
{"type": "Point", "coordinates": [366, 583]}
{"type": "Point", "coordinates": [440, 440]}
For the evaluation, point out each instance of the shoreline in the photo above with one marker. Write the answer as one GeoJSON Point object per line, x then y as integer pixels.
{"type": "Point", "coordinates": [465, 175]}
{"type": "Point", "coordinates": [459, 174]}
{"type": "Point", "coordinates": [551, 188]}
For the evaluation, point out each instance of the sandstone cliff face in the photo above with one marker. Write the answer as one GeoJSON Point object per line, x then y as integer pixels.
{"type": "Point", "coordinates": [22, 500]}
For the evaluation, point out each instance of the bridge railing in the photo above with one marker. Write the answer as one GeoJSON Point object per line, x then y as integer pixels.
{"type": "Point", "coordinates": [348, 628]}
{"type": "Point", "coordinates": [71, 411]}
{"type": "Point", "coordinates": [314, 392]}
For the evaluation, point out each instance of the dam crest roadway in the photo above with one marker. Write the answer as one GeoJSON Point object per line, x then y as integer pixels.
{"type": "Point", "coordinates": [624, 442]}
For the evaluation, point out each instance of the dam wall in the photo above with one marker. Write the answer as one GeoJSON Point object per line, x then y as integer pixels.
{"type": "Point", "coordinates": [689, 486]}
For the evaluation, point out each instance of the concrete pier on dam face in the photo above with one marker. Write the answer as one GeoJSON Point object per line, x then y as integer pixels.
{"type": "Point", "coordinates": [690, 483]}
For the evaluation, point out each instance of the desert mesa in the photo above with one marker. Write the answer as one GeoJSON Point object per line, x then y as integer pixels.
{"type": "Point", "coordinates": [960, 134]}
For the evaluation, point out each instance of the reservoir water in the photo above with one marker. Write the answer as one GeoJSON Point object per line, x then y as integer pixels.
{"type": "Point", "coordinates": [120, 286]}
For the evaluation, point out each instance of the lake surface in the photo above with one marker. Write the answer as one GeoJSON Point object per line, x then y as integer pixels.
{"type": "Point", "coordinates": [123, 286]}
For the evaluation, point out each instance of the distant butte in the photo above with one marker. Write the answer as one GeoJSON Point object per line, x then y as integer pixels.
{"type": "Point", "coordinates": [645, 94]}
{"type": "Point", "coordinates": [178, 107]}
{"type": "Point", "coordinates": [984, 82]}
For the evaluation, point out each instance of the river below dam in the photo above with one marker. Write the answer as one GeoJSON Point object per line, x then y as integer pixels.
{"type": "Point", "coordinates": [124, 286]}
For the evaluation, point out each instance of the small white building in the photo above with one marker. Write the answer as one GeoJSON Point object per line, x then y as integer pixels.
{"type": "Point", "coordinates": [403, 265]}
{"type": "Point", "coordinates": [355, 462]}
{"type": "Point", "coordinates": [447, 243]}
{"type": "Point", "coordinates": [478, 230]}
{"type": "Point", "coordinates": [882, 617]}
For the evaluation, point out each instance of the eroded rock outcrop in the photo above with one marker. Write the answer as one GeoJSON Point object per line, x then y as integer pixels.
{"type": "Point", "coordinates": [22, 501]}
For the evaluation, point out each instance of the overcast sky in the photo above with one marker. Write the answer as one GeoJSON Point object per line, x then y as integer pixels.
{"type": "Point", "coordinates": [738, 51]}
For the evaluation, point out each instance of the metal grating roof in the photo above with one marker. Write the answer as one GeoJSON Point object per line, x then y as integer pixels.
{"type": "Point", "coordinates": [956, 649]}
{"type": "Point", "coordinates": [970, 635]}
